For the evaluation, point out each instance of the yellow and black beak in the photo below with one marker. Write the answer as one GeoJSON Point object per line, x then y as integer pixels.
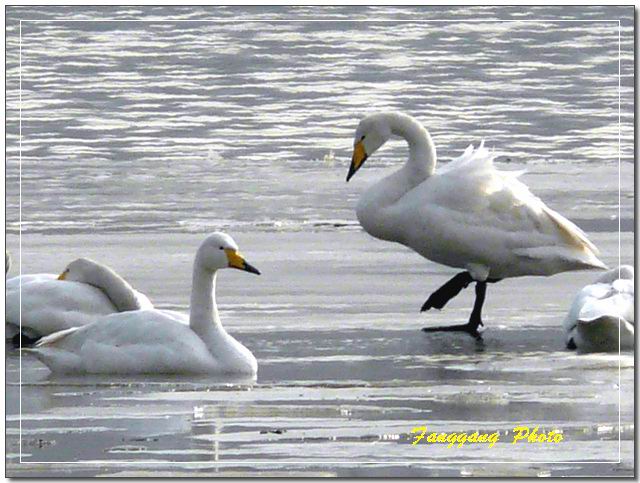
{"type": "Point", "coordinates": [237, 261]}
{"type": "Point", "coordinates": [63, 275]}
{"type": "Point", "coordinates": [359, 157]}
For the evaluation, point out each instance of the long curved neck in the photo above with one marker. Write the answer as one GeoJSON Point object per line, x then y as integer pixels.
{"type": "Point", "coordinates": [203, 317]}
{"type": "Point", "coordinates": [116, 288]}
{"type": "Point", "coordinates": [422, 152]}
{"type": "Point", "coordinates": [375, 208]}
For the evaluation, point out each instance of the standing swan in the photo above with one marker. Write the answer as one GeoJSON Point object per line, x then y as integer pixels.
{"type": "Point", "coordinates": [467, 215]}
{"type": "Point", "coordinates": [155, 341]}
{"type": "Point", "coordinates": [83, 292]}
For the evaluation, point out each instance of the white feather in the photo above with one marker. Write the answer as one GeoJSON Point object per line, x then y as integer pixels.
{"type": "Point", "coordinates": [602, 316]}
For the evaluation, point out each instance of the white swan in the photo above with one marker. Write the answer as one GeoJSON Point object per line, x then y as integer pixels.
{"type": "Point", "coordinates": [85, 291]}
{"type": "Point", "coordinates": [155, 341]}
{"type": "Point", "coordinates": [602, 317]}
{"type": "Point", "coordinates": [466, 215]}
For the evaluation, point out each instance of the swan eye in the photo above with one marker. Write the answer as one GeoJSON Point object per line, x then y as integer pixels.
{"type": "Point", "coordinates": [221, 248]}
{"type": "Point", "coordinates": [362, 138]}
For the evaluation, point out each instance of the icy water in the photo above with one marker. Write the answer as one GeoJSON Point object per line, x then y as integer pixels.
{"type": "Point", "coordinates": [345, 374]}
{"type": "Point", "coordinates": [150, 127]}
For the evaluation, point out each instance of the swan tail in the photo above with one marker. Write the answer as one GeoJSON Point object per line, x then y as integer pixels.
{"type": "Point", "coordinates": [55, 337]}
{"type": "Point", "coordinates": [573, 236]}
{"type": "Point", "coordinates": [514, 174]}
{"type": "Point", "coordinates": [554, 259]}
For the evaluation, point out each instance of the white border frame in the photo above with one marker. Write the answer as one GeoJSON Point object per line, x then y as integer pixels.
{"type": "Point", "coordinates": [439, 462]}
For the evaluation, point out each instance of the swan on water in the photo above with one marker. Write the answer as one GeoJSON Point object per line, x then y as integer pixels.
{"type": "Point", "coordinates": [157, 341]}
{"type": "Point", "coordinates": [602, 316]}
{"type": "Point", "coordinates": [466, 215]}
{"type": "Point", "coordinates": [83, 292]}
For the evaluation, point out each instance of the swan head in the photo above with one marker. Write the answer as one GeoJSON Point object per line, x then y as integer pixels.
{"type": "Point", "coordinates": [623, 272]}
{"type": "Point", "coordinates": [372, 132]}
{"type": "Point", "coordinates": [81, 270]}
{"type": "Point", "coordinates": [220, 251]}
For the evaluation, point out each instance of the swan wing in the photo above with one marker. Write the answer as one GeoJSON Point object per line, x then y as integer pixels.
{"type": "Point", "coordinates": [480, 215]}
{"type": "Point", "coordinates": [46, 305]}
{"type": "Point", "coordinates": [618, 306]}
{"type": "Point", "coordinates": [134, 342]}
{"type": "Point", "coordinates": [623, 286]}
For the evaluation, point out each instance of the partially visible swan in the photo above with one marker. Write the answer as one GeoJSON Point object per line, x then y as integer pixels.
{"type": "Point", "coordinates": [85, 291]}
{"type": "Point", "coordinates": [155, 341]}
{"type": "Point", "coordinates": [602, 317]}
{"type": "Point", "coordinates": [466, 215]}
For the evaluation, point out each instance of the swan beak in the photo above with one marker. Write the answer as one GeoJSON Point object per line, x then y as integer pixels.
{"type": "Point", "coordinates": [63, 275]}
{"type": "Point", "coordinates": [359, 157]}
{"type": "Point", "coordinates": [237, 261]}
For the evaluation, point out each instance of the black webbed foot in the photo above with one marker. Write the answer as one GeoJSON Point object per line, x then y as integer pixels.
{"type": "Point", "coordinates": [475, 320]}
{"type": "Point", "coordinates": [469, 328]}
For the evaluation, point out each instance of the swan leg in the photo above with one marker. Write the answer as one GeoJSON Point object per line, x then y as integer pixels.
{"type": "Point", "coordinates": [475, 320]}
{"type": "Point", "coordinates": [449, 290]}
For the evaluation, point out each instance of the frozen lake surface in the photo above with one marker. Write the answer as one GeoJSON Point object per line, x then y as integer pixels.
{"type": "Point", "coordinates": [143, 128]}
{"type": "Point", "coordinates": [344, 372]}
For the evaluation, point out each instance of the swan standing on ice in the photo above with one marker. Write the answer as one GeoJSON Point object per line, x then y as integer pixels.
{"type": "Point", "coordinates": [155, 341]}
{"type": "Point", "coordinates": [85, 291]}
{"type": "Point", "coordinates": [602, 317]}
{"type": "Point", "coordinates": [466, 215]}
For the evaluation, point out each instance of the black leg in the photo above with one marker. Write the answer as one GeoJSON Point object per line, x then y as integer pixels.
{"type": "Point", "coordinates": [475, 320]}
{"type": "Point", "coordinates": [476, 314]}
{"type": "Point", "coordinates": [449, 290]}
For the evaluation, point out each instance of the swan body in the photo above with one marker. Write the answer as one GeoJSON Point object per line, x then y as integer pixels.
{"type": "Point", "coordinates": [465, 215]}
{"type": "Point", "coordinates": [468, 214]}
{"type": "Point", "coordinates": [602, 316]}
{"type": "Point", "coordinates": [156, 341]}
{"type": "Point", "coordinates": [85, 291]}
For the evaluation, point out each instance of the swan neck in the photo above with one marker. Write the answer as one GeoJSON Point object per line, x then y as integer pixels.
{"type": "Point", "coordinates": [422, 152]}
{"type": "Point", "coordinates": [116, 288]}
{"type": "Point", "coordinates": [204, 319]}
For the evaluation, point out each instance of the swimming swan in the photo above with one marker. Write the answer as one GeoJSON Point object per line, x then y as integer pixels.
{"type": "Point", "coordinates": [602, 315]}
{"type": "Point", "coordinates": [83, 292]}
{"type": "Point", "coordinates": [155, 341]}
{"type": "Point", "coordinates": [466, 215]}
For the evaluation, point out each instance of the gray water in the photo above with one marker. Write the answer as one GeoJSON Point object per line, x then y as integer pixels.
{"type": "Point", "coordinates": [138, 137]}
{"type": "Point", "coordinates": [190, 124]}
